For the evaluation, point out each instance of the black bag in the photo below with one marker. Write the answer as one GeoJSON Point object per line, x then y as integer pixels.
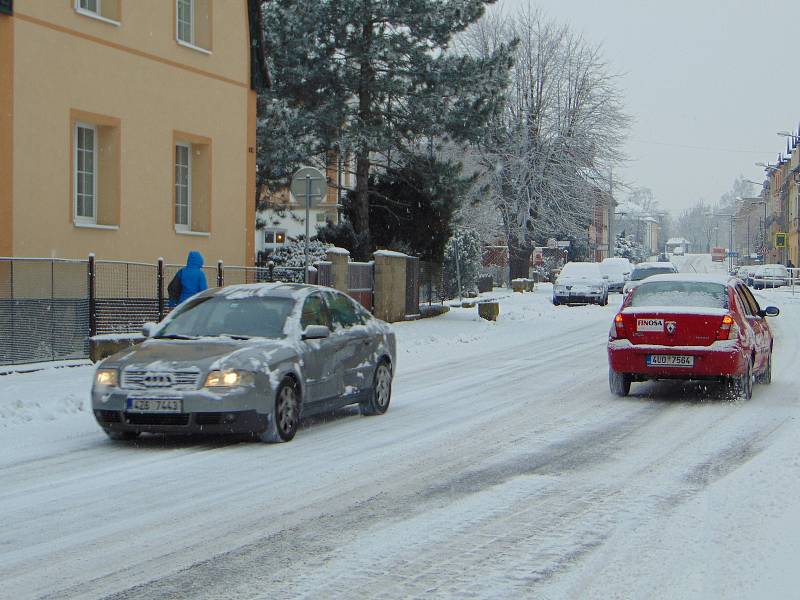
{"type": "Point", "coordinates": [175, 288]}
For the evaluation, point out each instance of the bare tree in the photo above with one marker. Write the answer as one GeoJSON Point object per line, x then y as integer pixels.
{"type": "Point", "coordinates": [548, 154]}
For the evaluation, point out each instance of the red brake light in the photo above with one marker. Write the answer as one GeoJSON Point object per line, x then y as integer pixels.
{"type": "Point", "coordinates": [618, 330]}
{"type": "Point", "coordinates": [728, 329]}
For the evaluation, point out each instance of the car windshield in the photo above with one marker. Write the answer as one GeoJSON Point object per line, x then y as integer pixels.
{"type": "Point", "coordinates": [581, 270]}
{"type": "Point", "coordinates": [615, 267]}
{"type": "Point", "coordinates": [680, 293]}
{"type": "Point", "coordinates": [220, 316]}
{"type": "Point", "coordinates": [640, 273]}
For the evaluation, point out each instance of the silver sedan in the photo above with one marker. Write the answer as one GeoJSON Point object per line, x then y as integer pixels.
{"type": "Point", "coordinates": [248, 358]}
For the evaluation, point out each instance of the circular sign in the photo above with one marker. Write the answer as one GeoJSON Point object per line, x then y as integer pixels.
{"type": "Point", "coordinates": [308, 186]}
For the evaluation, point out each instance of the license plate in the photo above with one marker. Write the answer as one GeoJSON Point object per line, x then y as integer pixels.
{"type": "Point", "coordinates": [669, 360]}
{"type": "Point", "coordinates": [155, 405]}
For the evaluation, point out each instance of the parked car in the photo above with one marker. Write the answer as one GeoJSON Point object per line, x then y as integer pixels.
{"type": "Point", "coordinates": [618, 271]}
{"type": "Point", "coordinates": [691, 327]}
{"type": "Point", "coordinates": [580, 283]}
{"type": "Point", "coordinates": [648, 269]}
{"type": "Point", "coordinates": [745, 273]}
{"type": "Point", "coordinates": [770, 276]}
{"type": "Point", "coordinates": [247, 359]}
{"type": "Point", "coordinates": [677, 251]}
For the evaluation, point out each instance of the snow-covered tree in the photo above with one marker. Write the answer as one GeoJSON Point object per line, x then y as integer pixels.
{"type": "Point", "coordinates": [551, 149]}
{"type": "Point", "coordinates": [376, 79]}
{"type": "Point", "coordinates": [463, 249]}
{"type": "Point", "coordinates": [293, 254]}
{"type": "Point", "coordinates": [628, 247]}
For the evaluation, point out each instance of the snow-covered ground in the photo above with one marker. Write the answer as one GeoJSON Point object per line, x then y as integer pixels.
{"type": "Point", "coordinates": [504, 468]}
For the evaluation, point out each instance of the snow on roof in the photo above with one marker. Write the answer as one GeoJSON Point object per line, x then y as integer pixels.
{"type": "Point", "coordinates": [676, 241]}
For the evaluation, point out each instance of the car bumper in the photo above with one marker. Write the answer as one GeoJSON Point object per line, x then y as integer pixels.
{"type": "Point", "coordinates": [720, 360]}
{"type": "Point", "coordinates": [235, 411]}
{"type": "Point", "coordinates": [578, 297]}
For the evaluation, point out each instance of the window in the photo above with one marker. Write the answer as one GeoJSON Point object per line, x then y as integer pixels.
{"type": "Point", "coordinates": [343, 311]}
{"type": "Point", "coordinates": [191, 164]}
{"type": "Point", "coordinates": [274, 237]}
{"type": "Point", "coordinates": [85, 177]}
{"type": "Point", "coordinates": [103, 10]}
{"type": "Point", "coordinates": [193, 24]}
{"type": "Point", "coordinates": [315, 312]}
{"type": "Point", "coordinates": [95, 170]}
{"type": "Point", "coordinates": [183, 187]}
{"type": "Point", "coordinates": [185, 12]}
{"type": "Point", "coordinates": [680, 293]}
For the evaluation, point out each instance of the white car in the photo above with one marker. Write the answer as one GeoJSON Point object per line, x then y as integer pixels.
{"type": "Point", "coordinates": [618, 270]}
{"type": "Point", "coordinates": [769, 276]}
{"type": "Point", "coordinates": [677, 251]}
{"type": "Point", "coordinates": [581, 283]}
{"type": "Point", "coordinates": [646, 269]}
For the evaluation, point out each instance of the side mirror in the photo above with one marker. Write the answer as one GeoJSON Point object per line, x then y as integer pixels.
{"type": "Point", "coordinates": [316, 332]}
{"type": "Point", "coordinates": [148, 329]}
{"type": "Point", "coordinates": [770, 311]}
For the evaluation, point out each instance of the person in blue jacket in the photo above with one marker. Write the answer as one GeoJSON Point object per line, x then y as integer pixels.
{"type": "Point", "coordinates": [192, 277]}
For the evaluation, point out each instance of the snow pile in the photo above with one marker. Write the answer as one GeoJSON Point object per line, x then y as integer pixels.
{"type": "Point", "coordinates": [43, 396]}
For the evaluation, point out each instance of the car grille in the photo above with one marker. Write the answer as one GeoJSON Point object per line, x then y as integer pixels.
{"type": "Point", "coordinates": [107, 416]}
{"type": "Point", "coordinates": [157, 419]}
{"type": "Point", "coordinates": [140, 379]}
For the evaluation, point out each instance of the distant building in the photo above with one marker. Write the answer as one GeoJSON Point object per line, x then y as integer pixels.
{"type": "Point", "coordinates": [127, 128]}
{"type": "Point", "coordinates": [678, 242]}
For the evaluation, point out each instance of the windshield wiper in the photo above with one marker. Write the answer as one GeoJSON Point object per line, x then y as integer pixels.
{"type": "Point", "coordinates": [175, 336]}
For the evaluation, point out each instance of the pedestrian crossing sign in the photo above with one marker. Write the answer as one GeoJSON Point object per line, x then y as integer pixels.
{"type": "Point", "coordinates": [780, 240]}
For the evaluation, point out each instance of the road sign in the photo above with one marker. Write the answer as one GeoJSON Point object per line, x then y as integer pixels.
{"type": "Point", "coordinates": [308, 184]}
{"type": "Point", "coordinates": [733, 254]}
{"type": "Point", "coordinates": [308, 188]}
{"type": "Point", "coordinates": [780, 240]}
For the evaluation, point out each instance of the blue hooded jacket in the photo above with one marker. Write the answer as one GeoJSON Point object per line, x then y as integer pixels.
{"type": "Point", "coordinates": [193, 279]}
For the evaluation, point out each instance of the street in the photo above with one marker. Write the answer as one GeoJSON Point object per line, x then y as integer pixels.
{"type": "Point", "coordinates": [503, 469]}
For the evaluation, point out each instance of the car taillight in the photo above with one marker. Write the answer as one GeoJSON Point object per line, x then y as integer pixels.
{"type": "Point", "coordinates": [728, 330]}
{"type": "Point", "coordinates": [618, 328]}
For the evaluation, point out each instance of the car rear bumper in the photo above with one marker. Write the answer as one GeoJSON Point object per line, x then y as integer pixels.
{"type": "Point", "coordinates": [578, 298]}
{"type": "Point", "coordinates": [721, 359]}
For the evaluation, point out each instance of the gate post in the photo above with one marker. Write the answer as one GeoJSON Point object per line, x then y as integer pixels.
{"type": "Point", "coordinates": [160, 288]}
{"type": "Point", "coordinates": [220, 274]}
{"type": "Point", "coordinates": [92, 298]}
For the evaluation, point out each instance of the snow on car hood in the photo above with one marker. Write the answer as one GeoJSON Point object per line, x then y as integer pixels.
{"type": "Point", "coordinates": [580, 281]}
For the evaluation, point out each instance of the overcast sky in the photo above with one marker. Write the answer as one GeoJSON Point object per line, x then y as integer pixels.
{"type": "Point", "coordinates": [708, 82]}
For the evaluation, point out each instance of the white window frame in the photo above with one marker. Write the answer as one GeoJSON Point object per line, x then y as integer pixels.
{"type": "Point", "coordinates": [94, 14]}
{"type": "Point", "coordinates": [82, 219]}
{"type": "Point", "coordinates": [275, 232]}
{"type": "Point", "coordinates": [181, 227]}
{"type": "Point", "coordinates": [190, 41]}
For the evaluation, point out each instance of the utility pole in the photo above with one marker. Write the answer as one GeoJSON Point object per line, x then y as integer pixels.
{"type": "Point", "coordinates": [611, 234]}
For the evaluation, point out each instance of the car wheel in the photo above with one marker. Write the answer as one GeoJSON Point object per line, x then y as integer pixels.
{"type": "Point", "coordinates": [121, 436]}
{"type": "Point", "coordinates": [766, 377]}
{"type": "Point", "coordinates": [555, 301]}
{"type": "Point", "coordinates": [381, 393]}
{"type": "Point", "coordinates": [619, 383]}
{"type": "Point", "coordinates": [742, 387]}
{"type": "Point", "coordinates": [286, 416]}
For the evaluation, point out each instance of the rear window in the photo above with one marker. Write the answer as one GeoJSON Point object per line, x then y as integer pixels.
{"type": "Point", "coordinates": [640, 273]}
{"type": "Point", "coordinates": [680, 293]}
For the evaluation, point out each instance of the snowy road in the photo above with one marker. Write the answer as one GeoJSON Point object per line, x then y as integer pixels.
{"type": "Point", "coordinates": [503, 469]}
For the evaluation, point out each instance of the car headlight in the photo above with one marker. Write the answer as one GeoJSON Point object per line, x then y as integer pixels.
{"type": "Point", "coordinates": [106, 377]}
{"type": "Point", "coordinates": [227, 379]}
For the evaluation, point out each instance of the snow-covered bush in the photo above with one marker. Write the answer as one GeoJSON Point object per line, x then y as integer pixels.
{"type": "Point", "coordinates": [293, 253]}
{"type": "Point", "coordinates": [469, 262]}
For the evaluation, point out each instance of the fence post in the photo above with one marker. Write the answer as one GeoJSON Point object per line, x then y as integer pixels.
{"type": "Point", "coordinates": [220, 274]}
{"type": "Point", "coordinates": [160, 288]}
{"type": "Point", "coordinates": [271, 267]}
{"type": "Point", "coordinates": [92, 298]}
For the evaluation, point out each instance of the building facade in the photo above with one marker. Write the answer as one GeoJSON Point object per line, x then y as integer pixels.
{"type": "Point", "coordinates": [127, 129]}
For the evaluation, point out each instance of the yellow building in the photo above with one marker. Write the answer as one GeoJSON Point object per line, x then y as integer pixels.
{"type": "Point", "coordinates": [127, 128]}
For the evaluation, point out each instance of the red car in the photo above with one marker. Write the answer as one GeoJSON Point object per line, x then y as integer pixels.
{"type": "Point", "coordinates": [691, 327]}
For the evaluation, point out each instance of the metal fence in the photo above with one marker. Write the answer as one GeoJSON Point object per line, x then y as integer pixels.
{"type": "Point", "coordinates": [412, 286]}
{"type": "Point", "coordinates": [361, 282]}
{"type": "Point", "coordinates": [49, 308]}
{"type": "Point", "coordinates": [431, 282]}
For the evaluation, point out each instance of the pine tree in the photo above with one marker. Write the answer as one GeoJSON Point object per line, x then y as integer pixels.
{"type": "Point", "coordinates": [375, 79]}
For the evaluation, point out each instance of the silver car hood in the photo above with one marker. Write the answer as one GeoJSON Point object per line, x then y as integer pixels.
{"type": "Point", "coordinates": [203, 354]}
